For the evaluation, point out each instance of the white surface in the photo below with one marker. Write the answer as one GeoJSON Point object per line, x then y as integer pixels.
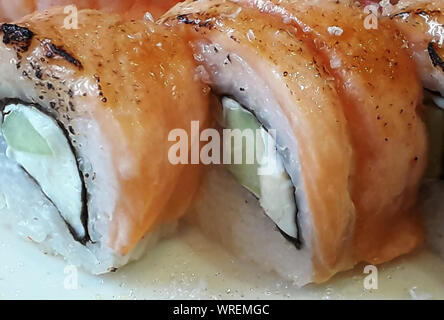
{"type": "Point", "coordinates": [188, 266]}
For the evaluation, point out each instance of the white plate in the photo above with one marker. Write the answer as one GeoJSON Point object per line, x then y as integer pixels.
{"type": "Point", "coordinates": [189, 266]}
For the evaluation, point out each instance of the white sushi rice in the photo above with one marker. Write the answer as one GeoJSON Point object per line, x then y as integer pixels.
{"type": "Point", "coordinates": [231, 215]}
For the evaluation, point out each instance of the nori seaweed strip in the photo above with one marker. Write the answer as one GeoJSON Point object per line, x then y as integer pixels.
{"type": "Point", "coordinates": [296, 241]}
{"type": "Point", "coordinates": [84, 194]}
{"type": "Point", "coordinates": [434, 56]}
{"type": "Point", "coordinates": [83, 240]}
{"type": "Point", "coordinates": [437, 93]}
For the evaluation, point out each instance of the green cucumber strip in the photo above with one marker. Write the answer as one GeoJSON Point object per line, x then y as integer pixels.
{"type": "Point", "coordinates": [22, 136]}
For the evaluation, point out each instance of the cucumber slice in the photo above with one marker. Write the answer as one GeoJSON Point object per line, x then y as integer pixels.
{"type": "Point", "coordinates": [27, 139]}
{"type": "Point", "coordinates": [236, 117]}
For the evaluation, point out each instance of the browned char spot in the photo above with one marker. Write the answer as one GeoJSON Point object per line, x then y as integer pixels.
{"type": "Point", "coordinates": [17, 35]}
{"type": "Point", "coordinates": [52, 50]}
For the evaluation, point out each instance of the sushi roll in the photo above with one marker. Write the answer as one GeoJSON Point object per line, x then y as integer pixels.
{"type": "Point", "coordinates": [85, 116]}
{"type": "Point", "coordinates": [350, 152]}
